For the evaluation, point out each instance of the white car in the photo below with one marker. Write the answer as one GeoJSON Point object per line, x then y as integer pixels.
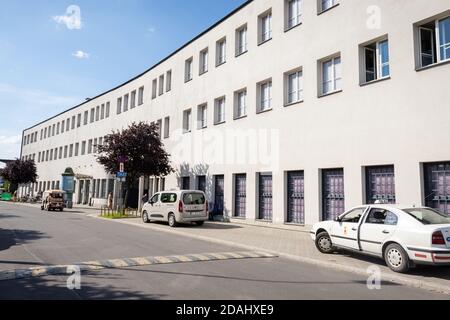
{"type": "Point", "coordinates": [403, 235]}
{"type": "Point", "coordinates": [177, 207]}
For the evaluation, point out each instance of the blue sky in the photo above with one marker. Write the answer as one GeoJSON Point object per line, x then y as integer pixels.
{"type": "Point", "coordinates": [49, 61]}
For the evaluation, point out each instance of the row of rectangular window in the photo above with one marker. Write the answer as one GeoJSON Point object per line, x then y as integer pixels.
{"type": "Point", "coordinates": [128, 101]}
{"type": "Point", "coordinates": [158, 85]}
{"type": "Point", "coordinates": [379, 184]}
{"type": "Point", "coordinates": [99, 113]}
{"type": "Point", "coordinates": [293, 17]}
{"type": "Point", "coordinates": [73, 150]}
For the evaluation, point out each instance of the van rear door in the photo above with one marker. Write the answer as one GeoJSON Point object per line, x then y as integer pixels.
{"type": "Point", "coordinates": [194, 204]}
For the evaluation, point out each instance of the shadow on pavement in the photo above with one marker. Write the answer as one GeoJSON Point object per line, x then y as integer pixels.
{"type": "Point", "coordinates": [440, 272]}
{"type": "Point", "coordinates": [205, 226]}
{"type": "Point", "coordinates": [9, 238]}
{"type": "Point", "coordinates": [55, 288]}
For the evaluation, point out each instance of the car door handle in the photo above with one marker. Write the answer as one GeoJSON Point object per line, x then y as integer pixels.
{"type": "Point", "coordinates": [354, 229]}
{"type": "Point", "coordinates": [386, 232]}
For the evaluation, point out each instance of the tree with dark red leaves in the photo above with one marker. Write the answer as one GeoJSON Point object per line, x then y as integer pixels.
{"type": "Point", "coordinates": [20, 172]}
{"type": "Point", "coordinates": [140, 148]}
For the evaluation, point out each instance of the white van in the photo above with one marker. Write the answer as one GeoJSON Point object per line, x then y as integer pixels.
{"type": "Point", "coordinates": [176, 207]}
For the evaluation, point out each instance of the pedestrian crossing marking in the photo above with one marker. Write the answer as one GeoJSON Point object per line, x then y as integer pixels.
{"type": "Point", "coordinates": [129, 262]}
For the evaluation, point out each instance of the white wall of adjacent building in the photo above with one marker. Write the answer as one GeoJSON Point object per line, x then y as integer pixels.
{"type": "Point", "coordinates": [400, 120]}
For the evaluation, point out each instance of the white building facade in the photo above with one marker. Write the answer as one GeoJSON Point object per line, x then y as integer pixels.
{"type": "Point", "coordinates": [285, 111]}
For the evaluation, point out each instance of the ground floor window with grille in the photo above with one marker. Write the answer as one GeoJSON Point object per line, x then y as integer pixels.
{"type": "Point", "coordinates": [265, 197]}
{"type": "Point", "coordinates": [380, 184]}
{"type": "Point", "coordinates": [219, 192]}
{"type": "Point", "coordinates": [296, 197]}
{"type": "Point", "coordinates": [240, 201]}
{"type": "Point", "coordinates": [333, 193]}
{"type": "Point", "coordinates": [437, 186]}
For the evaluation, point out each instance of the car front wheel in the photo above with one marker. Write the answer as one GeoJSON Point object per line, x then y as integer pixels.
{"type": "Point", "coordinates": [396, 258]}
{"type": "Point", "coordinates": [324, 243]}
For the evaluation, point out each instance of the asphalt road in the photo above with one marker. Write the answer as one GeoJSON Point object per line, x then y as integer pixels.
{"type": "Point", "coordinates": [29, 237]}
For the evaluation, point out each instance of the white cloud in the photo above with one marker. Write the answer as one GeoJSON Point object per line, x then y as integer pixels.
{"type": "Point", "coordinates": [81, 55]}
{"type": "Point", "coordinates": [72, 18]}
{"type": "Point", "coordinates": [10, 146]}
{"type": "Point", "coordinates": [151, 29]}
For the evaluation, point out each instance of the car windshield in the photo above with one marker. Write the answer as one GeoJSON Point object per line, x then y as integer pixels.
{"type": "Point", "coordinates": [194, 198]}
{"type": "Point", "coordinates": [428, 216]}
{"type": "Point", "coordinates": [57, 195]}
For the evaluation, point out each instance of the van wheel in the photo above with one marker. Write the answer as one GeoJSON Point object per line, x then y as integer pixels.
{"type": "Point", "coordinates": [324, 243]}
{"type": "Point", "coordinates": [396, 258]}
{"type": "Point", "coordinates": [145, 217]}
{"type": "Point", "coordinates": [199, 223]}
{"type": "Point", "coordinates": [172, 221]}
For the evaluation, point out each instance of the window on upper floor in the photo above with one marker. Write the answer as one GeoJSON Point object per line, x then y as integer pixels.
{"type": "Point", "coordinates": [204, 55]}
{"type": "Point", "coordinates": [219, 111]}
{"type": "Point", "coordinates": [71, 151]}
{"type": "Point", "coordinates": [119, 105]}
{"type": "Point", "coordinates": [58, 125]}
{"type": "Point", "coordinates": [89, 150]}
{"type": "Point", "coordinates": [68, 124]}
{"type": "Point", "coordinates": [60, 155]}
{"type": "Point", "coordinates": [160, 128]}
{"type": "Point", "coordinates": [92, 116]}
{"type": "Point", "coordinates": [294, 86]}
{"type": "Point", "coordinates": [125, 102]}
{"type": "Point", "coordinates": [330, 75]}
{"type": "Point", "coordinates": [293, 13]}
{"type": "Point", "coordinates": [133, 100]}
{"type": "Point", "coordinates": [240, 103]}
{"type": "Point", "coordinates": [221, 51]}
{"type": "Point", "coordinates": [374, 60]}
{"type": "Point", "coordinates": [102, 112]}
{"type": "Point", "coordinates": [265, 27]}
{"type": "Point", "coordinates": [63, 127]}
{"type": "Point", "coordinates": [169, 80]}
{"type": "Point", "coordinates": [187, 121]}
{"type": "Point", "coordinates": [83, 148]}
{"type": "Point", "coordinates": [188, 70]}
{"type": "Point", "coordinates": [324, 5]}
{"type": "Point", "coordinates": [97, 113]}
{"type": "Point", "coordinates": [161, 85]}
{"type": "Point", "coordinates": [241, 40]}
{"type": "Point", "coordinates": [264, 90]}
{"type": "Point", "coordinates": [76, 151]}
{"type": "Point", "coordinates": [65, 151]}
{"type": "Point", "coordinates": [95, 145]}
{"type": "Point", "coordinates": [86, 118]}
{"type": "Point", "coordinates": [53, 130]}
{"type": "Point", "coordinates": [108, 109]}
{"type": "Point", "coordinates": [73, 122]}
{"type": "Point", "coordinates": [433, 44]}
{"type": "Point", "coordinates": [154, 88]}
{"type": "Point", "coordinates": [202, 116]}
{"type": "Point", "coordinates": [79, 120]}
{"type": "Point", "coordinates": [166, 127]}
{"type": "Point", "coordinates": [141, 96]}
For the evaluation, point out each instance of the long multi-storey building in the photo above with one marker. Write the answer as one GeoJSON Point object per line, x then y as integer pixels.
{"type": "Point", "coordinates": [286, 111]}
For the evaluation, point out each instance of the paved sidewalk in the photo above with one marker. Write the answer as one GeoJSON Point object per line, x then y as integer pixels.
{"type": "Point", "coordinates": [292, 243]}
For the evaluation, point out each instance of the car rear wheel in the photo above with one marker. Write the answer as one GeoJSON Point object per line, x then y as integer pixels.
{"type": "Point", "coordinates": [396, 258]}
{"type": "Point", "coordinates": [145, 217]}
{"type": "Point", "coordinates": [172, 221]}
{"type": "Point", "coordinates": [324, 243]}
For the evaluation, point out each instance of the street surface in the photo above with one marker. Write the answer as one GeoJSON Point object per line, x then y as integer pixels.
{"type": "Point", "coordinates": [32, 238]}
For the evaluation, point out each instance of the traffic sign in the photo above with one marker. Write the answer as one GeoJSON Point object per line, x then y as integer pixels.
{"type": "Point", "coordinates": [121, 175]}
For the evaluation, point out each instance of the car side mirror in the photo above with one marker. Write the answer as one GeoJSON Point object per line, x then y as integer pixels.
{"type": "Point", "coordinates": [151, 203]}
{"type": "Point", "coordinates": [338, 219]}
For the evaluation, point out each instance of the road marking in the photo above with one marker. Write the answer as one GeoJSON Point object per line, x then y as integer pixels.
{"type": "Point", "coordinates": [129, 262]}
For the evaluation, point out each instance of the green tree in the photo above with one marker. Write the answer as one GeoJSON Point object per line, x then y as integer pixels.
{"type": "Point", "coordinates": [140, 148]}
{"type": "Point", "coordinates": [20, 172]}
